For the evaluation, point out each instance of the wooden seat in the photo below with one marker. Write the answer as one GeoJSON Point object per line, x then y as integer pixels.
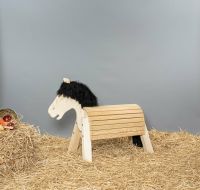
{"type": "Point", "coordinates": [115, 121]}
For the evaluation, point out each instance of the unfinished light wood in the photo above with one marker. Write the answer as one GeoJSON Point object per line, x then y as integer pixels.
{"type": "Point", "coordinates": [75, 139]}
{"type": "Point", "coordinates": [115, 135]}
{"type": "Point", "coordinates": [86, 141]}
{"type": "Point", "coordinates": [113, 122]}
{"type": "Point", "coordinates": [117, 126]}
{"type": "Point", "coordinates": [146, 142]}
{"type": "Point", "coordinates": [115, 116]}
{"type": "Point", "coordinates": [119, 130]}
{"type": "Point", "coordinates": [112, 107]}
{"type": "Point", "coordinates": [113, 112]}
{"type": "Point", "coordinates": [105, 122]}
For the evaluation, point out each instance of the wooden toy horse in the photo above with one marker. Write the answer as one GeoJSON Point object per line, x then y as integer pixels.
{"type": "Point", "coordinates": [116, 118]}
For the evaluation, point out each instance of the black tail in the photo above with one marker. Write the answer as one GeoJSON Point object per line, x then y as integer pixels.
{"type": "Point", "coordinates": [137, 141]}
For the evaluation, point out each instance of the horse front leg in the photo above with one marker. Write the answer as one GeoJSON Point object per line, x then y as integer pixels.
{"type": "Point", "coordinates": [75, 139]}
{"type": "Point", "coordinates": [86, 141]}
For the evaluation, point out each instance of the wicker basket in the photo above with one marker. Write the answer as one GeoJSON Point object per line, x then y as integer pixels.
{"type": "Point", "coordinates": [11, 112]}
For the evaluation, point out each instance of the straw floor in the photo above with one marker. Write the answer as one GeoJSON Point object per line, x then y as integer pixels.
{"type": "Point", "coordinates": [116, 165]}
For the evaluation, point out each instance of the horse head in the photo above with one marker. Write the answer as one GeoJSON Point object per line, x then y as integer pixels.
{"type": "Point", "coordinates": [61, 104]}
{"type": "Point", "coordinates": [71, 95]}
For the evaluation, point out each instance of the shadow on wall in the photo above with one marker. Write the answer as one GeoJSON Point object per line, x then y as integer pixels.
{"type": "Point", "coordinates": [148, 123]}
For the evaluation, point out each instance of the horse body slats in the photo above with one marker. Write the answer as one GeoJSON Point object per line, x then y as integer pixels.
{"type": "Point", "coordinates": [116, 135]}
{"type": "Point", "coordinates": [112, 112]}
{"type": "Point", "coordinates": [115, 117]}
{"type": "Point", "coordinates": [117, 126]}
{"type": "Point", "coordinates": [116, 130]}
{"type": "Point", "coordinates": [116, 121]}
{"type": "Point", "coordinates": [112, 108]}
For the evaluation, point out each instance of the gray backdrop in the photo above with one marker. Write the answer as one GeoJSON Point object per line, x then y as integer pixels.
{"type": "Point", "coordinates": [144, 52]}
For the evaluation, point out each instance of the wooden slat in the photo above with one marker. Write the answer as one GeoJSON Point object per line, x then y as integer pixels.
{"type": "Point", "coordinates": [113, 112]}
{"type": "Point", "coordinates": [112, 131]}
{"type": "Point", "coordinates": [112, 107]}
{"type": "Point", "coordinates": [116, 135]}
{"type": "Point", "coordinates": [117, 126]}
{"type": "Point", "coordinates": [116, 121]}
{"type": "Point", "coordinates": [115, 117]}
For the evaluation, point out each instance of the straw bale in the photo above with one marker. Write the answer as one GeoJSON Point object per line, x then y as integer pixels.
{"type": "Point", "coordinates": [117, 164]}
{"type": "Point", "coordinates": [18, 150]}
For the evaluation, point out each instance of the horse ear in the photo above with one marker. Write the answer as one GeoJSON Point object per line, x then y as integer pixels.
{"type": "Point", "coordinates": [66, 80]}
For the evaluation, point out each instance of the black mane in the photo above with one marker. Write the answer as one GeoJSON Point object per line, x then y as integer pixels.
{"type": "Point", "coordinates": [78, 91]}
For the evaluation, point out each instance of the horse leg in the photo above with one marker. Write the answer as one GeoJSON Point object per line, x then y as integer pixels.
{"type": "Point", "coordinates": [75, 139]}
{"type": "Point", "coordinates": [146, 142]}
{"type": "Point", "coordinates": [86, 141]}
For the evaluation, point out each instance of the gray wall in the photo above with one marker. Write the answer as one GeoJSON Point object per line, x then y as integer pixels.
{"type": "Point", "coordinates": [1, 69]}
{"type": "Point", "coordinates": [144, 52]}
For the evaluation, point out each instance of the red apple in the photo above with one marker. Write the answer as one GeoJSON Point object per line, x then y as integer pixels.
{"type": "Point", "coordinates": [7, 118]}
